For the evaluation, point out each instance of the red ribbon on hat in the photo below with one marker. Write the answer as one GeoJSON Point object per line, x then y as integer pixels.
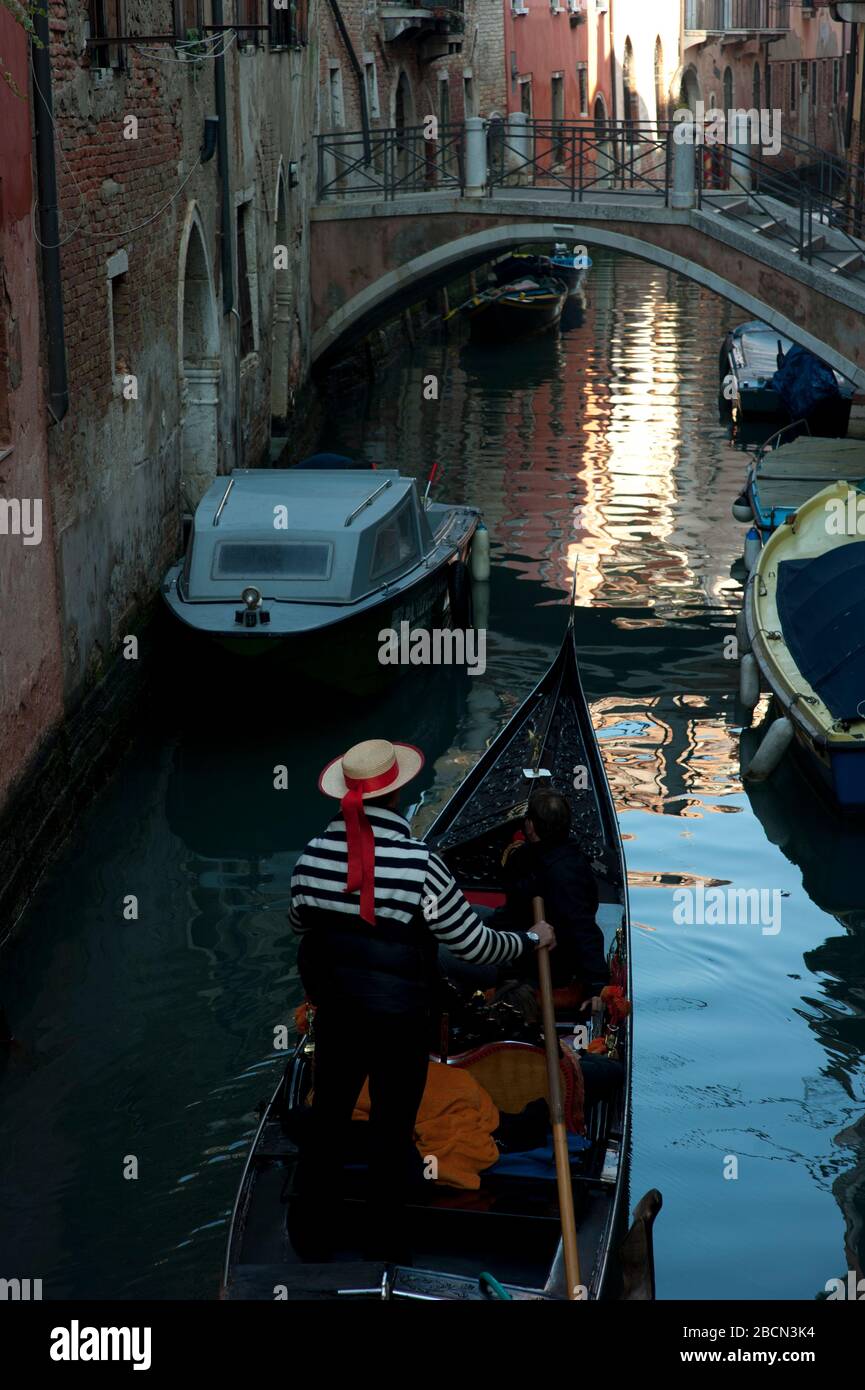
{"type": "Point", "coordinates": [360, 839]}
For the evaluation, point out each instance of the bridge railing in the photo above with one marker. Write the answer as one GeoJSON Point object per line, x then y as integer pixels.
{"type": "Point", "coordinates": [580, 159]}
{"type": "Point", "coordinates": [390, 162]}
{"type": "Point", "coordinates": [577, 156]}
{"type": "Point", "coordinates": [830, 202]}
{"type": "Point", "coordinates": [580, 156]}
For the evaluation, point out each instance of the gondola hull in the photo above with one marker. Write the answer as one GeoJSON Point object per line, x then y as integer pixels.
{"type": "Point", "coordinates": [509, 320]}
{"type": "Point", "coordinates": [511, 1226]}
{"type": "Point", "coordinates": [516, 313]}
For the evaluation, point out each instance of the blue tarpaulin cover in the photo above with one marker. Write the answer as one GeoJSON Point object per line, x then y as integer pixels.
{"type": "Point", "coordinates": [803, 381]}
{"type": "Point", "coordinates": [538, 1163]}
{"type": "Point", "coordinates": [821, 604]}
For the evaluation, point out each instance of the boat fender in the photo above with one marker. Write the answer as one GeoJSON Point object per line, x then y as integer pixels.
{"type": "Point", "coordinates": [741, 508]}
{"type": "Point", "coordinates": [767, 757]}
{"type": "Point", "coordinates": [460, 595]}
{"type": "Point", "coordinates": [742, 638]}
{"type": "Point", "coordinates": [749, 681]}
{"type": "Point", "coordinates": [480, 556]}
{"type": "Point", "coordinates": [752, 548]}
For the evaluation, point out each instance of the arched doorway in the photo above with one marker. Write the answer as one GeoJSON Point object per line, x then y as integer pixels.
{"type": "Point", "coordinates": [690, 91]}
{"type": "Point", "coordinates": [199, 366]}
{"type": "Point", "coordinates": [281, 314]}
{"type": "Point", "coordinates": [404, 121]}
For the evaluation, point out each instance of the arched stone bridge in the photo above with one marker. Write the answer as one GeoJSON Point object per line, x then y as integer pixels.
{"type": "Point", "coordinates": [375, 251]}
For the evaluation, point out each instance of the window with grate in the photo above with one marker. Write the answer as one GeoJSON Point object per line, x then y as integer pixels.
{"type": "Point", "coordinates": [105, 21]}
{"type": "Point", "coordinates": [287, 23]}
{"type": "Point", "coordinates": [189, 20]}
{"type": "Point", "coordinates": [583, 89]}
{"type": "Point", "coordinates": [248, 17]}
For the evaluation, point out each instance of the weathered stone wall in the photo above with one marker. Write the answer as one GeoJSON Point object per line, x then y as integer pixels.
{"type": "Point", "coordinates": [141, 227]}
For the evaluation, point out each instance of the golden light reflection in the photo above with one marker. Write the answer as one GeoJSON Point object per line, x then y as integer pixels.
{"type": "Point", "coordinates": [670, 762]}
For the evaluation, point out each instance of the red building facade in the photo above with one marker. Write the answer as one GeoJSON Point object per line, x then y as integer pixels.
{"type": "Point", "coordinates": [557, 58]}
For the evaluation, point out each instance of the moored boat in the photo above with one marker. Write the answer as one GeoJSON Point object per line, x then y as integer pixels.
{"type": "Point", "coordinates": [783, 476]}
{"type": "Point", "coordinates": [521, 308]}
{"type": "Point", "coordinates": [311, 564]}
{"type": "Point", "coordinates": [503, 1240]}
{"type": "Point", "coordinates": [764, 373]}
{"type": "Point", "coordinates": [805, 633]}
{"type": "Point", "coordinates": [571, 267]}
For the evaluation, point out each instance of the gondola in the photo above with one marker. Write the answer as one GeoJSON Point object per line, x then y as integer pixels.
{"type": "Point", "coordinates": [520, 309]}
{"type": "Point", "coordinates": [504, 1240]}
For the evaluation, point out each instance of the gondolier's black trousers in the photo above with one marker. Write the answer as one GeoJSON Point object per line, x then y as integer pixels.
{"type": "Point", "coordinates": [352, 1044]}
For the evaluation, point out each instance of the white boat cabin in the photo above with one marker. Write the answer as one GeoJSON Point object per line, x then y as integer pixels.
{"type": "Point", "coordinates": [328, 536]}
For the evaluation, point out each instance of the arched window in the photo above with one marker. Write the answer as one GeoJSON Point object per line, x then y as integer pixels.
{"type": "Point", "coordinates": [767, 85]}
{"type": "Point", "coordinates": [728, 90]}
{"type": "Point", "coordinates": [660, 94]}
{"type": "Point", "coordinates": [629, 91]}
{"type": "Point", "coordinates": [756, 96]}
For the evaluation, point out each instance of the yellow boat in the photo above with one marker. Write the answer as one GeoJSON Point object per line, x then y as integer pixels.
{"type": "Point", "coordinates": [805, 628]}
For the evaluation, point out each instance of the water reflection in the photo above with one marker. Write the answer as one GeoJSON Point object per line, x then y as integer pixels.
{"type": "Point", "coordinates": [157, 1037]}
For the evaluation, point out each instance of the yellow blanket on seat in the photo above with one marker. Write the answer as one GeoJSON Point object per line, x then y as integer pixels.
{"type": "Point", "coordinates": [454, 1126]}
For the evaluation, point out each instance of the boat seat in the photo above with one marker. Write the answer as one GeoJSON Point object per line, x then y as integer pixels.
{"type": "Point", "coordinates": [482, 897]}
{"type": "Point", "coordinates": [514, 1074]}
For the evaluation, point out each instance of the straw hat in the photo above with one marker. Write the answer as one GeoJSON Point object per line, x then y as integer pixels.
{"type": "Point", "coordinates": [374, 768]}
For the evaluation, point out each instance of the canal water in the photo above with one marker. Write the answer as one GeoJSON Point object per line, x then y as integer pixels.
{"type": "Point", "coordinates": [147, 1041]}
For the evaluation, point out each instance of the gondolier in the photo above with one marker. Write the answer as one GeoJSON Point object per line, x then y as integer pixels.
{"type": "Point", "coordinates": [372, 905]}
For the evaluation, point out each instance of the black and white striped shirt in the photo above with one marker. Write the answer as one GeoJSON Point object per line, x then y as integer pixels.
{"type": "Point", "coordinates": [408, 877]}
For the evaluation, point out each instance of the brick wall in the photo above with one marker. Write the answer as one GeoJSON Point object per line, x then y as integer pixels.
{"type": "Point", "coordinates": [136, 214]}
{"type": "Point", "coordinates": [474, 55]}
{"type": "Point", "coordinates": [30, 677]}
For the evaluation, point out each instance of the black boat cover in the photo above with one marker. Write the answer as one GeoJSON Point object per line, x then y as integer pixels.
{"type": "Point", "coordinates": [821, 604]}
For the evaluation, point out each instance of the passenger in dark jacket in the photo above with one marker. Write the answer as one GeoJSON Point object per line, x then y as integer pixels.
{"type": "Point", "coordinates": [551, 866]}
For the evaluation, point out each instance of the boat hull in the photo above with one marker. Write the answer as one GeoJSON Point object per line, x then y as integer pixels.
{"type": "Point", "coordinates": [344, 654]}
{"type": "Point", "coordinates": [805, 668]}
{"type": "Point", "coordinates": [507, 320]}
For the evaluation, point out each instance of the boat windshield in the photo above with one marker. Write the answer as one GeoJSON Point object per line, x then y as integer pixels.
{"type": "Point", "coordinates": [272, 560]}
{"type": "Point", "coordinates": [395, 544]}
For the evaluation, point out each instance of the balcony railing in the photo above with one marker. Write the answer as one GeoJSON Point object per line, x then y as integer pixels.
{"type": "Point", "coordinates": [736, 16]}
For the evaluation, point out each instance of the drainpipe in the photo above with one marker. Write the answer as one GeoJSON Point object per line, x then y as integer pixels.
{"type": "Point", "coordinates": [226, 225]}
{"type": "Point", "coordinates": [49, 231]}
{"type": "Point", "coordinates": [358, 72]}
{"type": "Point", "coordinates": [226, 259]}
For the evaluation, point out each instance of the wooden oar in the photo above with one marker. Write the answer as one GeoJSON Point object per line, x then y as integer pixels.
{"type": "Point", "coordinates": [557, 1115]}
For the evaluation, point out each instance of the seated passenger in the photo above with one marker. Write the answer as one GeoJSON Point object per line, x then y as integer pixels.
{"type": "Point", "coordinates": [549, 865]}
